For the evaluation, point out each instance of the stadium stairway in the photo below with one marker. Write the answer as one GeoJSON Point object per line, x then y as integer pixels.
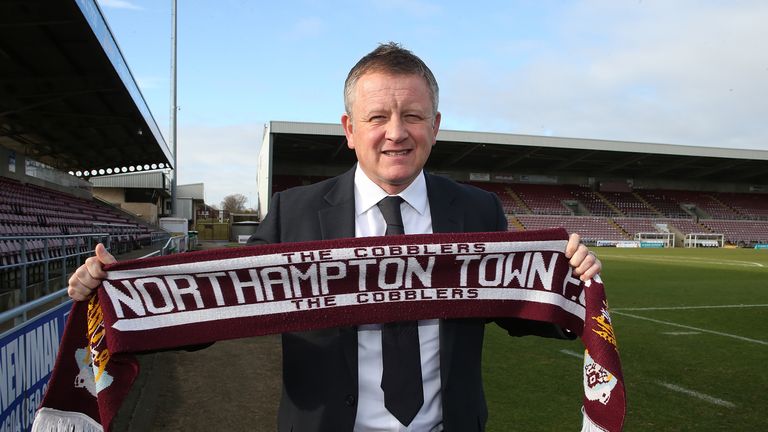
{"type": "Point", "coordinates": [647, 204]}
{"type": "Point", "coordinates": [608, 203]}
{"type": "Point", "coordinates": [514, 224]}
{"type": "Point", "coordinates": [620, 228]}
{"type": "Point", "coordinates": [516, 198]}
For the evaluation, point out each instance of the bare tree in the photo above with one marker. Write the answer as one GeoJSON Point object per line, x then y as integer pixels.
{"type": "Point", "coordinates": [234, 203]}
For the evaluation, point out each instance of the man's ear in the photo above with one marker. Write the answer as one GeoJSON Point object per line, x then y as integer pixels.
{"type": "Point", "coordinates": [346, 124]}
{"type": "Point", "coordinates": [436, 126]}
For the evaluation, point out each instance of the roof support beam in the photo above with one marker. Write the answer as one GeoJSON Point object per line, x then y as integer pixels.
{"type": "Point", "coordinates": [583, 155]}
{"type": "Point", "coordinates": [626, 162]}
{"type": "Point", "coordinates": [36, 23]}
{"type": "Point", "coordinates": [758, 174]}
{"type": "Point", "coordinates": [59, 98]}
{"type": "Point", "coordinates": [672, 166]}
{"type": "Point", "coordinates": [511, 161]}
{"type": "Point", "coordinates": [718, 168]}
{"type": "Point", "coordinates": [83, 115]}
{"type": "Point", "coordinates": [461, 156]}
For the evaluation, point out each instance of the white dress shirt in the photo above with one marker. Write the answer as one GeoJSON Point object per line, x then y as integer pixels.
{"type": "Point", "coordinates": [372, 415]}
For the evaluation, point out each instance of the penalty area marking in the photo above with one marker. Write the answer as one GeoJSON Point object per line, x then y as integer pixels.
{"type": "Point", "coordinates": [757, 341]}
{"type": "Point", "coordinates": [736, 306]}
{"type": "Point", "coordinates": [705, 397]}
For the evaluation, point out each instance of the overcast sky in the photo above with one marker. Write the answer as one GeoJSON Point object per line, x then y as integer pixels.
{"type": "Point", "coordinates": [674, 72]}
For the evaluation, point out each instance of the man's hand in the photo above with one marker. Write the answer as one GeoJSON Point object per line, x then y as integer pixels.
{"type": "Point", "coordinates": [585, 263]}
{"type": "Point", "coordinates": [89, 275]}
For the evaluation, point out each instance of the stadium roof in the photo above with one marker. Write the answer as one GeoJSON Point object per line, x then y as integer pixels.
{"type": "Point", "coordinates": [67, 96]}
{"type": "Point", "coordinates": [142, 180]}
{"type": "Point", "coordinates": [296, 142]}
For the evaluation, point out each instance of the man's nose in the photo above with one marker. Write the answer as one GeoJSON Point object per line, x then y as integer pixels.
{"type": "Point", "coordinates": [396, 130]}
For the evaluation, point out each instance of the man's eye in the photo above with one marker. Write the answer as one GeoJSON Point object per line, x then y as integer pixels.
{"type": "Point", "coordinates": [413, 118]}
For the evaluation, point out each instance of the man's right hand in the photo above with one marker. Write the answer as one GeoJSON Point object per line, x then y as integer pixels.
{"type": "Point", "coordinates": [89, 275]}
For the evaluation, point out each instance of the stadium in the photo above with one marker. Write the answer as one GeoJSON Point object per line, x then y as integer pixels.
{"type": "Point", "coordinates": [682, 232]}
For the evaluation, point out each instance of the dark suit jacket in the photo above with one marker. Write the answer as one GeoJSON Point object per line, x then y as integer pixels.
{"type": "Point", "coordinates": [320, 367]}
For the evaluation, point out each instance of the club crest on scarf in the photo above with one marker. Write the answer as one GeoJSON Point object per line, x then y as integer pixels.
{"type": "Point", "coordinates": [598, 381]}
{"type": "Point", "coordinates": [605, 328]}
{"type": "Point", "coordinates": [94, 358]}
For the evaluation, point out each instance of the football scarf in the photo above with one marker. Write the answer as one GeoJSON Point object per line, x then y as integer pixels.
{"type": "Point", "coordinates": [201, 297]}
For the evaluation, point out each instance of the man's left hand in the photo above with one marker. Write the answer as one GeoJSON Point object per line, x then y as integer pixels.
{"type": "Point", "coordinates": [584, 262]}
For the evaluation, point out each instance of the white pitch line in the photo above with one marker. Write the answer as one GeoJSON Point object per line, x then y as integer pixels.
{"type": "Point", "coordinates": [572, 354]}
{"type": "Point", "coordinates": [686, 260]}
{"type": "Point", "coordinates": [685, 333]}
{"type": "Point", "coordinates": [757, 341]}
{"type": "Point", "coordinates": [698, 395]}
{"type": "Point", "coordinates": [737, 306]}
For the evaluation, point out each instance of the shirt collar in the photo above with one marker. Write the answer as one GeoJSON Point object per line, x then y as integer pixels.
{"type": "Point", "coordinates": [368, 193]}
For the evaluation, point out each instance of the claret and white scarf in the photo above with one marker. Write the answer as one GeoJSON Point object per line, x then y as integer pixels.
{"type": "Point", "coordinates": [200, 297]}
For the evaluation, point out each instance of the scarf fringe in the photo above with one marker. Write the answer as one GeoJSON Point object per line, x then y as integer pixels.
{"type": "Point", "coordinates": [53, 420]}
{"type": "Point", "coordinates": [588, 425]}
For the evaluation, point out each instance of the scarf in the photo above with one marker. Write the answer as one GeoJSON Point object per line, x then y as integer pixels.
{"type": "Point", "coordinates": [201, 297]}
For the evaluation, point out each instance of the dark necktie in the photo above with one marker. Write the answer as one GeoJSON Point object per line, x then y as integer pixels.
{"type": "Point", "coordinates": [401, 378]}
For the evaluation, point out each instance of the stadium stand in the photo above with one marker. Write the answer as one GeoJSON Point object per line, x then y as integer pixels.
{"type": "Point", "coordinates": [703, 204]}
{"type": "Point", "coordinates": [594, 202]}
{"type": "Point", "coordinates": [748, 206]}
{"type": "Point", "coordinates": [629, 204]}
{"type": "Point", "coordinates": [664, 203]}
{"type": "Point", "coordinates": [591, 228]}
{"type": "Point", "coordinates": [543, 199]}
{"type": "Point", "coordinates": [739, 232]}
{"type": "Point", "coordinates": [33, 210]}
{"type": "Point", "coordinates": [633, 226]}
{"type": "Point", "coordinates": [44, 232]}
{"type": "Point", "coordinates": [619, 216]}
{"type": "Point", "coordinates": [509, 202]}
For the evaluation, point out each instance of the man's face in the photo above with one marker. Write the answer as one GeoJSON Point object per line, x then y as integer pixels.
{"type": "Point", "coordinates": [391, 128]}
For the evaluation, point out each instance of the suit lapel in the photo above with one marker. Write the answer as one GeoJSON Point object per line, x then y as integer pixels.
{"type": "Point", "coordinates": [446, 217]}
{"type": "Point", "coordinates": [338, 221]}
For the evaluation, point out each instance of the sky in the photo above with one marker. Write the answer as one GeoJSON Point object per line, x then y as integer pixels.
{"type": "Point", "coordinates": [674, 72]}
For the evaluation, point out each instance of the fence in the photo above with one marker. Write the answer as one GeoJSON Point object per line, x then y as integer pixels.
{"type": "Point", "coordinates": [40, 261]}
{"type": "Point", "coordinates": [35, 259]}
{"type": "Point", "coordinates": [29, 348]}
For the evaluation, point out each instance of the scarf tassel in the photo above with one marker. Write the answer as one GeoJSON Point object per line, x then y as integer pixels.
{"type": "Point", "coordinates": [53, 420]}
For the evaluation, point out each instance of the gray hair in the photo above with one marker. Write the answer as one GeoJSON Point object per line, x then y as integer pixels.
{"type": "Point", "coordinates": [393, 59]}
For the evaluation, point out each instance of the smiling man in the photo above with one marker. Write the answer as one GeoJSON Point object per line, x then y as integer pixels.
{"type": "Point", "coordinates": [391, 124]}
{"type": "Point", "coordinates": [336, 380]}
{"type": "Point", "coordinates": [420, 376]}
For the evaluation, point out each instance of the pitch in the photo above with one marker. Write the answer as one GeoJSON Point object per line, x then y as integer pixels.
{"type": "Point", "coordinates": [691, 326]}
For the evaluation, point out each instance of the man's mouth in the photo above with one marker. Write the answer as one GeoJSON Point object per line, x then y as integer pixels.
{"type": "Point", "coordinates": [396, 152]}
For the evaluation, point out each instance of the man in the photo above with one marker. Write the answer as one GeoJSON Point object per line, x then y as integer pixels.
{"type": "Point", "coordinates": [332, 379]}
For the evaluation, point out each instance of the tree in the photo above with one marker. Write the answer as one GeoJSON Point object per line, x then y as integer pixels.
{"type": "Point", "coordinates": [234, 203]}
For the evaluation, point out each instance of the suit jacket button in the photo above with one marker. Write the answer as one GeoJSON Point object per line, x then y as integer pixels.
{"type": "Point", "coordinates": [350, 400]}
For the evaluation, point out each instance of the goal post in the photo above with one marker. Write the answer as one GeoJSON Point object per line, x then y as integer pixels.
{"type": "Point", "coordinates": [697, 240]}
{"type": "Point", "coordinates": [655, 239]}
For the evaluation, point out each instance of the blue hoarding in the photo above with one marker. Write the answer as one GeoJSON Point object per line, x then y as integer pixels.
{"type": "Point", "coordinates": [27, 356]}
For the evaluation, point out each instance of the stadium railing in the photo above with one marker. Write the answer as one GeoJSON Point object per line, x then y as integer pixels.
{"type": "Point", "coordinates": [175, 244]}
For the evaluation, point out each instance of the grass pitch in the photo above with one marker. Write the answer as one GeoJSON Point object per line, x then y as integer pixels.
{"type": "Point", "coordinates": [692, 327]}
